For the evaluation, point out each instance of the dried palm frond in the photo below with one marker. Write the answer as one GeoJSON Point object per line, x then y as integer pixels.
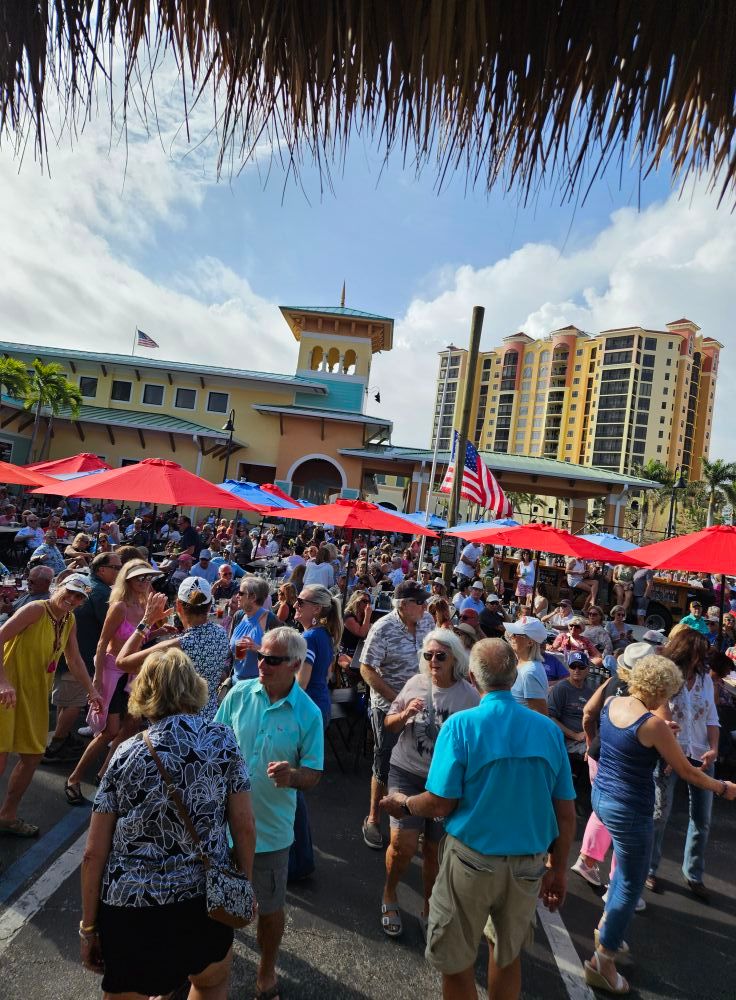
{"type": "Point", "coordinates": [509, 92]}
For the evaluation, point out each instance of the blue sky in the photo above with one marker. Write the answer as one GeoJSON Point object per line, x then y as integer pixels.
{"type": "Point", "coordinates": [111, 238]}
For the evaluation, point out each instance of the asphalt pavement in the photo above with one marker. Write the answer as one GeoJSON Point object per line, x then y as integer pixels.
{"type": "Point", "coordinates": [334, 947]}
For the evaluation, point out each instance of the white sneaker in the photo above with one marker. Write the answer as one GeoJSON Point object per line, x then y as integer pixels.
{"type": "Point", "coordinates": [590, 873]}
{"type": "Point", "coordinates": [86, 731]}
{"type": "Point", "coordinates": [641, 905]}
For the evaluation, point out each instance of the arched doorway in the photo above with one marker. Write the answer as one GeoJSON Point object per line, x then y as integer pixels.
{"type": "Point", "coordinates": [315, 480]}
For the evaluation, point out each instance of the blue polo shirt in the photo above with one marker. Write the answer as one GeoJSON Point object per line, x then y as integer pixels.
{"type": "Point", "coordinates": [289, 729]}
{"type": "Point", "coordinates": [505, 764]}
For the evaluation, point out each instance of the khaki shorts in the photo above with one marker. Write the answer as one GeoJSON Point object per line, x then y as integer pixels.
{"type": "Point", "coordinates": [270, 871]}
{"type": "Point", "coordinates": [477, 894]}
{"type": "Point", "coordinates": [67, 692]}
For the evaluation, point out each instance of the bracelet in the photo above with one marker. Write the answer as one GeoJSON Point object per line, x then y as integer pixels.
{"type": "Point", "coordinates": [92, 929]}
{"type": "Point", "coordinates": [722, 792]}
{"type": "Point", "coordinates": [406, 806]}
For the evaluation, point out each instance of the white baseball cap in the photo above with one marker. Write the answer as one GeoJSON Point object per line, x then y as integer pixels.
{"type": "Point", "coordinates": [143, 571]}
{"type": "Point", "coordinates": [79, 583]}
{"type": "Point", "coordinates": [205, 554]}
{"type": "Point", "coordinates": [493, 599]}
{"type": "Point", "coordinates": [532, 628]}
{"type": "Point", "coordinates": [477, 586]}
{"type": "Point", "coordinates": [194, 585]}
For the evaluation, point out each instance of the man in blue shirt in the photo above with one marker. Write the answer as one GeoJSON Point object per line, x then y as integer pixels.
{"type": "Point", "coordinates": [279, 730]}
{"type": "Point", "coordinates": [476, 599]}
{"type": "Point", "coordinates": [501, 777]}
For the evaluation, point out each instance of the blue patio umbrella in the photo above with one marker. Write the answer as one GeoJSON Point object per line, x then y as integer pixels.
{"type": "Point", "coordinates": [417, 517]}
{"type": "Point", "coordinates": [612, 542]}
{"type": "Point", "coordinates": [255, 495]}
{"type": "Point", "coordinates": [501, 522]}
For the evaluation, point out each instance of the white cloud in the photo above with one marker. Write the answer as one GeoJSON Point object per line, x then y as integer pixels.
{"type": "Point", "coordinates": [676, 258]}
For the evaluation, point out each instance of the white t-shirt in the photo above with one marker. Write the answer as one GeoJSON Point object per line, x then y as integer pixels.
{"type": "Point", "coordinates": [319, 573]}
{"type": "Point", "coordinates": [472, 553]}
{"type": "Point", "coordinates": [531, 681]}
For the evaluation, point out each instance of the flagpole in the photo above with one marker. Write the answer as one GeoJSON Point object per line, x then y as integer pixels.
{"type": "Point", "coordinates": [434, 458]}
{"type": "Point", "coordinates": [476, 328]}
{"type": "Point", "coordinates": [135, 337]}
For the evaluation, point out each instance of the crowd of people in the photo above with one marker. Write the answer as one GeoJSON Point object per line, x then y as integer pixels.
{"type": "Point", "coordinates": [498, 722]}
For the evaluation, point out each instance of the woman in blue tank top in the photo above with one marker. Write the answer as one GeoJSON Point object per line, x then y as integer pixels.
{"type": "Point", "coordinates": [632, 739]}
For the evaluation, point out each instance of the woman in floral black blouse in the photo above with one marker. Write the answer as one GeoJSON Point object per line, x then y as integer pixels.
{"type": "Point", "coordinates": [144, 917]}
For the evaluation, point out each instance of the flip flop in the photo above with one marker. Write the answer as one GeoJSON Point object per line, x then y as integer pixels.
{"type": "Point", "coordinates": [270, 994]}
{"type": "Point", "coordinates": [18, 828]}
{"type": "Point", "coordinates": [392, 926]}
{"type": "Point", "coordinates": [595, 978]}
{"type": "Point", "coordinates": [74, 795]}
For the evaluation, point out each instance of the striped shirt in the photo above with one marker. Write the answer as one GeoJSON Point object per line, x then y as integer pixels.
{"type": "Point", "coordinates": [393, 652]}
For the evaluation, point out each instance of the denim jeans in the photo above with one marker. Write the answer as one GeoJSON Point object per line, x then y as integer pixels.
{"type": "Point", "coordinates": [701, 806]}
{"type": "Point", "coordinates": [632, 835]}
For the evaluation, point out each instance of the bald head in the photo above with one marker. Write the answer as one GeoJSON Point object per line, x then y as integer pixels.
{"type": "Point", "coordinates": [493, 665]}
{"type": "Point", "coordinates": [39, 579]}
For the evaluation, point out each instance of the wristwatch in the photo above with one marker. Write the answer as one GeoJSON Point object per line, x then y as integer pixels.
{"type": "Point", "coordinates": [142, 627]}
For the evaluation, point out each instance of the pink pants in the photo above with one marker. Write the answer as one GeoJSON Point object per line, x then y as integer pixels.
{"type": "Point", "coordinates": [596, 839]}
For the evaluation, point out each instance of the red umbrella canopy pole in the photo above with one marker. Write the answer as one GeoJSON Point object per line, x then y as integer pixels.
{"type": "Point", "coordinates": [154, 480]}
{"type": "Point", "coordinates": [544, 538]}
{"type": "Point", "coordinates": [712, 550]}
{"type": "Point", "coordinates": [358, 515]}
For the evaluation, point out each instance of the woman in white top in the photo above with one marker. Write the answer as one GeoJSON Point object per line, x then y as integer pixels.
{"type": "Point", "coordinates": [531, 685]}
{"type": "Point", "coordinates": [576, 580]}
{"type": "Point", "coordinates": [693, 709]}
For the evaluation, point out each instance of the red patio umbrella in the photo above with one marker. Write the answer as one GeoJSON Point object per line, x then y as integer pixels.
{"type": "Point", "coordinates": [712, 550]}
{"type": "Point", "coordinates": [545, 538]}
{"type": "Point", "coordinates": [85, 461]}
{"type": "Point", "coordinates": [278, 492]}
{"type": "Point", "coordinates": [153, 480]}
{"type": "Point", "coordinates": [357, 515]}
{"type": "Point", "coordinates": [20, 476]}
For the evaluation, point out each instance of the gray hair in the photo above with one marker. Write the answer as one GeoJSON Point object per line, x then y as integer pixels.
{"type": "Point", "coordinates": [292, 642]}
{"type": "Point", "coordinates": [453, 644]}
{"type": "Point", "coordinates": [493, 665]}
{"type": "Point", "coordinates": [256, 587]}
{"type": "Point", "coordinates": [38, 571]}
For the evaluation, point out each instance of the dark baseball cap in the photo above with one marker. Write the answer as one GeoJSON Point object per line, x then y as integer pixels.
{"type": "Point", "coordinates": [410, 590]}
{"type": "Point", "coordinates": [578, 659]}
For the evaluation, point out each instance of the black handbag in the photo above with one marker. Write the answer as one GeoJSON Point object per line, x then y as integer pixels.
{"type": "Point", "coordinates": [230, 896]}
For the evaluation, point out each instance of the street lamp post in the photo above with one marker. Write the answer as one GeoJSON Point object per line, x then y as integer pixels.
{"type": "Point", "coordinates": [229, 426]}
{"type": "Point", "coordinates": [679, 484]}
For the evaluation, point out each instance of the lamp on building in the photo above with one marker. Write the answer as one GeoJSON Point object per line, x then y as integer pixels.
{"type": "Point", "coordinates": [228, 426]}
{"type": "Point", "coordinates": [376, 395]}
{"type": "Point", "coordinates": [679, 484]}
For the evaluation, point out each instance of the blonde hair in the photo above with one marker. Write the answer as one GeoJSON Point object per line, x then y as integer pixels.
{"type": "Point", "coordinates": [167, 684]}
{"type": "Point", "coordinates": [331, 617]}
{"type": "Point", "coordinates": [121, 589]}
{"type": "Point", "coordinates": [653, 679]}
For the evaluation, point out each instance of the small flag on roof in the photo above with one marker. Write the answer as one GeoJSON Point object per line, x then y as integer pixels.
{"type": "Point", "coordinates": [144, 340]}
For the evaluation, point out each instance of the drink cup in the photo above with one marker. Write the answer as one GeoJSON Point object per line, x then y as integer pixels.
{"type": "Point", "coordinates": [241, 648]}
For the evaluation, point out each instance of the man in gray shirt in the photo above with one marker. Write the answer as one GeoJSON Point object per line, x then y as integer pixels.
{"type": "Point", "coordinates": [567, 699]}
{"type": "Point", "coordinates": [39, 581]}
{"type": "Point", "coordinates": [390, 657]}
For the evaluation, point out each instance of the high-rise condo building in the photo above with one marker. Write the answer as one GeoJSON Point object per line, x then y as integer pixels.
{"type": "Point", "coordinates": [613, 400]}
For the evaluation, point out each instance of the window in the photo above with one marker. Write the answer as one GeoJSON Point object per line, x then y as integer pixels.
{"type": "Point", "coordinates": [217, 402]}
{"type": "Point", "coordinates": [153, 395]}
{"type": "Point", "coordinates": [669, 362]}
{"type": "Point", "coordinates": [186, 399]}
{"type": "Point", "coordinates": [648, 361]}
{"type": "Point", "coordinates": [666, 376]}
{"type": "Point", "coordinates": [660, 434]}
{"type": "Point", "coordinates": [120, 391]}
{"type": "Point", "coordinates": [88, 386]}
{"type": "Point", "coordinates": [650, 343]}
{"type": "Point", "coordinates": [659, 448]}
{"type": "Point", "coordinates": [571, 434]}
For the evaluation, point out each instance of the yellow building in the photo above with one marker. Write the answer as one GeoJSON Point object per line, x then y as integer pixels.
{"type": "Point", "coordinates": [612, 400]}
{"type": "Point", "coordinates": [303, 431]}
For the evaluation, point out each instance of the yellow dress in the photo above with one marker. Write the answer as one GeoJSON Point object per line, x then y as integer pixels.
{"type": "Point", "coordinates": [24, 729]}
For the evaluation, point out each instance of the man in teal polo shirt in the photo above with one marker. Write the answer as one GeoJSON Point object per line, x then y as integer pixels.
{"type": "Point", "coordinates": [501, 777]}
{"type": "Point", "coordinates": [279, 729]}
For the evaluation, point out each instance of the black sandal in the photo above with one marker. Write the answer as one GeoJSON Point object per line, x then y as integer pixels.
{"type": "Point", "coordinates": [270, 994]}
{"type": "Point", "coordinates": [74, 795]}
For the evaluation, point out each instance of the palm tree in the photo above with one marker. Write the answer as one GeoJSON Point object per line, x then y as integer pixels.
{"type": "Point", "coordinates": [528, 500]}
{"type": "Point", "coordinates": [49, 388]}
{"type": "Point", "coordinates": [715, 475]}
{"type": "Point", "coordinates": [651, 501]}
{"type": "Point", "coordinates": [14, 377]}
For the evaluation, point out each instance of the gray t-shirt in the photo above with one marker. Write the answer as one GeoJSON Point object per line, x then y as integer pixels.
{"type": "Point", "coordinates": [641, 580]}
{"type": "Point", "coordinates": [393, 652]}
{"type": "Point", "coordinates": [531, 681]}
{"type": "Point", "coordinates": [566, 704]}
{"type": "Point", "coordinates": [414, 750]}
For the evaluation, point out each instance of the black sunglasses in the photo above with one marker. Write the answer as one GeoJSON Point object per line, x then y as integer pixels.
{"type": "Point", "coordinates": [431, 655]}
{"type": "Point", "coordinates": [305, 600]}
{"type": "Point", "coordinates": [578, 666]}
{"type": "Point", "coordinates": [272, 661]}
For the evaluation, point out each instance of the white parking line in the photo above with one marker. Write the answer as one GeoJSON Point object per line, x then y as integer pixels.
{"type": "Point", "coordinates": [27, 906]}
{"type": "Point", "coordinates": [568, 962]}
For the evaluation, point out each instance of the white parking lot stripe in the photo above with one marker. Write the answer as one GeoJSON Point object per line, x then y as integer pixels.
{"type": "Point", "coordinates": [27, 906]}
{"type": "Point", "coordinates": [568, 962]}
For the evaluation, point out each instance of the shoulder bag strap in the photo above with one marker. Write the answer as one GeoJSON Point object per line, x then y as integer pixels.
{"type": "Point", "coordinates": [177, 799]}
{"type": "Point", "coordinates": [430, 713]}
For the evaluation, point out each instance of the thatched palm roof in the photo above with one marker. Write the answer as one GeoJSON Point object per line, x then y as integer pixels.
{"type": "Point", "coordinates": [507, 90]}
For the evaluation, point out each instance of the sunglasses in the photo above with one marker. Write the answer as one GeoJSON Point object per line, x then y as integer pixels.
{"type": "Point", "coordinates": [431, 655]}
{"type": "Point", "coordinates": [577, 667]}
{"type": "Point", "coordinates": [272, 661]}
{"type": "Point", "coordinates": [300, 601]}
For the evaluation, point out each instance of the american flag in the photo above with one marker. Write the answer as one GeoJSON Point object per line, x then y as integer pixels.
{"type": "Point", "coordinates": [144, 340]}
{"type": "Point", "coordinates": [479, 485]}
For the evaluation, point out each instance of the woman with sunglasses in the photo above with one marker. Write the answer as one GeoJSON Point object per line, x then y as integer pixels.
{"type": "Point", "coordinates": [621, 635]}
{"type": "Point", "coordinates": [426, 700]}
{"type": "Point", "coordinates": [285, 609]}
{"type": "Point", "coordinates": [356, 622]}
